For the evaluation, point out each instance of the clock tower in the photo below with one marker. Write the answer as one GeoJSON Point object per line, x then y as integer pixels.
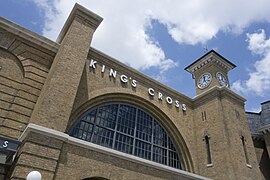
{"type": "Point", "coordinates": [210, 70]}
{"type": "Point", "coordinates": [223, 142]}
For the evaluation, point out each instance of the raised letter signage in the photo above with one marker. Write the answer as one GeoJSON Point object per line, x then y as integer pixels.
{"type": "Point", "coordinates": [125, 79]}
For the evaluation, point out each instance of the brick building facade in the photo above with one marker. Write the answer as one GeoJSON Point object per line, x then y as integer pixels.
{"type": "Point", "coordinates": [73, 112]}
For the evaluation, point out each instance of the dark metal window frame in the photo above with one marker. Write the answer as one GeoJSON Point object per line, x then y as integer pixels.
{"type": "Point", "coordinates": [162, 150]}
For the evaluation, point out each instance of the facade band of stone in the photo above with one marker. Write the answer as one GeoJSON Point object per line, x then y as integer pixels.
{"type": "Point", "coordinates": [70, 111]}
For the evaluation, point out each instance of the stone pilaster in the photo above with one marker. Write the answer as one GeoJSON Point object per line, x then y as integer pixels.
{"type": "Point", "coordinates": [55, 103]}
{"type": "Point", "coordinates": [39, 151]}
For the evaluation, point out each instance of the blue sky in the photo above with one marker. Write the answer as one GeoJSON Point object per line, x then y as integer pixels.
{"type": "Point", "coordinates": [161, 38]}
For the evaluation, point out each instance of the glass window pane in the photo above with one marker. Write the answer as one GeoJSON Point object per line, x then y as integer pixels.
{"type": "Point", "coordinates": [171, 146]}
{"type": "Point", "coordinates": [123, 143]}
{"type": "Point", "coordinates": [103, 137]}
{"type": "Point", "coordinates": [160, 136]}
{"type": "Point", "coordinates": [106, 116]}
{"type": "Point", "coordinates": [174, 160]}
{"type": "Point", "coordinates": [126, 119]}
{"type": "Point", "coordinates": [159, 155]}
{"type": "Point", "coordinates": [113, 126]}
{"type": "Point", "coordinates": [142, 149]}
{"type": "Point", "coordinates": [90, 116]}
{"type": "Point", "coordinates": [82, 125]}
{"type": "Point", "coordinates": [74, 132]}
{"type": "Point", "coordinates": [144, 126]}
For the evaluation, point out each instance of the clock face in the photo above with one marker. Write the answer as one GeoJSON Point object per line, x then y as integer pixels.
{"type": "Point", "coordinates": [204, 80]}
{"type": "Point", "coordinates": [221, 79]}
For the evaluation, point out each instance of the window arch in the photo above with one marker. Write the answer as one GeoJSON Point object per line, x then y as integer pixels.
{"type": "Point", "coordinates": [128, 129]}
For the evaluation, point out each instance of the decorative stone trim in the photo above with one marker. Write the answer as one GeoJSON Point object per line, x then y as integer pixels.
{"type": "Point", "coordinates": [85, 15]}
{"type": "Point", "coordinates": [28, 35]}
{"type": "Point", "coordinates": [210, 57]}
{"type": "Point", "coordinates": [214, 92]}
{"type": "Point", "coordinates": [205, 62]}
{"type": "Point", "coordinates": [84, 144]}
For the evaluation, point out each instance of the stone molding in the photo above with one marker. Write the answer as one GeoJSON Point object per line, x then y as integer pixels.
{"type": "Point", "coordinates": [217, 92]}
{"type": "Point", "coordinates": [169, 123]}
{"type": "Point", "coordinates": [28, 35]}
{"type": "Point", "coordinates": [81, 12]}
{"type": "Point", "coordinates": [84, 144]}
{"type": "Point", "coordinates": [210, 57]}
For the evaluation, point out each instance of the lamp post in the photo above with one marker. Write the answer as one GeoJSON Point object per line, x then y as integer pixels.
{"type": "Point", "coordinates": [34, 175]}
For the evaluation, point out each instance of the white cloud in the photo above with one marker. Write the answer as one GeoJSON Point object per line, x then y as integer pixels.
{"type": "Point", "coordinates": [164, 66]}
{"type": "Point", "coordinates": [258, 43]}
{"type": "Point", "coordinates": [259, 80]}
{"type": "Point", "coordinates": [123, 35]}
{"type": "Point", "coordinates": [167, 64]}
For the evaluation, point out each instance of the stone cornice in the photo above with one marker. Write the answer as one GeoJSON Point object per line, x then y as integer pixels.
{"type": "Point", "coordinates": [217, 92]}
{"type": "Point", "coordinates": [28, 35]}
{"type": "Point", "coordinates": [210, 57]}
{"type": "Point", "coordinates": [84, 144]}
{"type": "Point", "coordinates": [81, 12]}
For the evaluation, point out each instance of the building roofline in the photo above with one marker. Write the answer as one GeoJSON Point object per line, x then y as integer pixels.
{"type": "Point", "coordinates": [253, 113]}
{"type": "Point", "coordinates": [28, 35]}
{"type": "Point", "coordinates": [265, 102]}
{"type": "Point", "coordinates": [208, 53]}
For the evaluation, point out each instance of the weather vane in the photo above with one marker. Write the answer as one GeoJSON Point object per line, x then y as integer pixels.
{"type": "Point", "coordinates": [205, 49]}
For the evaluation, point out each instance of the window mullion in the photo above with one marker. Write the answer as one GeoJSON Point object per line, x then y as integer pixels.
{"type": "Point", "coordinates": [167, 149]}
{"type": "Point", "coordinates": [152, 140]}
{"type": "Point", "coordinates": [94, 127]}
{"type": "Point", "coordinates": [134, 134]}
{"type": "Point", "coordinates": [163, 151]}
{"type": "Point", "coordinates": [115, 128]}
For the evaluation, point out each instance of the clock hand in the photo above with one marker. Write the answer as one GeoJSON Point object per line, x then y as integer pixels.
{"type": "Point", "coordinates": [204, 80]}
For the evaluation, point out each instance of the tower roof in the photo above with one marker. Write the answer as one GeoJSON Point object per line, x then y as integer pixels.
{"type": "Point", "coordinates": [211, 56]}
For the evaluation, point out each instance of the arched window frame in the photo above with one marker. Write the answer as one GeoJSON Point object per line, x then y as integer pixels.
{"type": "Point", "coordinates": [172, 156]}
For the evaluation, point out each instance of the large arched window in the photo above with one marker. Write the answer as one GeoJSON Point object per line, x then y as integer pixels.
{"type": "Point", "coordinates": [128, 129]}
